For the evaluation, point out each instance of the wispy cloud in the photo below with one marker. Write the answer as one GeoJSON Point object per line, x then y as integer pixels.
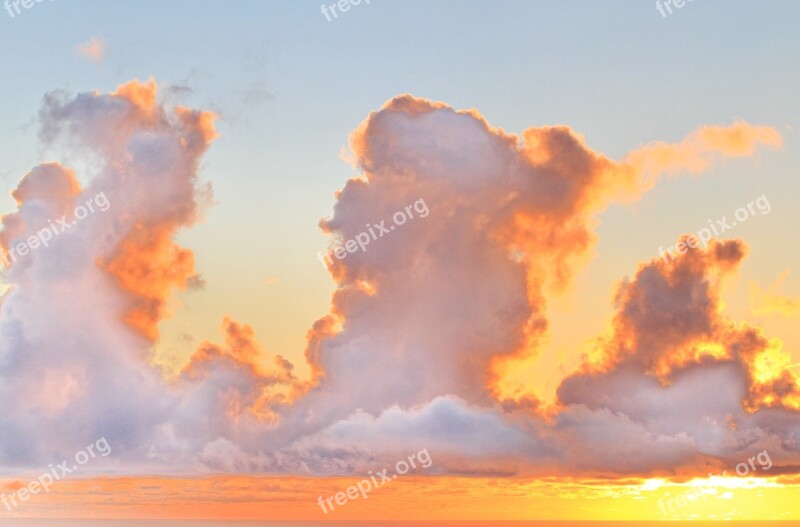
{"type": "Point", "coordinates": [94, 49]}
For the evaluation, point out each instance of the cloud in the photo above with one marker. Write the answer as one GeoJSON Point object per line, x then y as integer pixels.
{"type": "Point", "coordinates": [698, 150]}
{"type": "Point", "coordinates": [450, 297]}
{"type": "Point", "coordinates": [94, 49]}
{"type": "Point", "coordinates": [678, 371]}
{"type": "Point", "coordinates": [462, 438]}
{"type": "Point", "coordinates": [422, 322]}
{"type": "Point", "coordinates": [445, 300]}
{"type": "Point", "coordinates": [75, 368]}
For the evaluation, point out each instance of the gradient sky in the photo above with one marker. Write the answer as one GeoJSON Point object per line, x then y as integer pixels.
{"type": "Point", "coordinates": [289, 87]}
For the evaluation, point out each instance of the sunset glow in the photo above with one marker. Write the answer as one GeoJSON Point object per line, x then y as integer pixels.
{"type": "Point", "coordinates": [382, 261]}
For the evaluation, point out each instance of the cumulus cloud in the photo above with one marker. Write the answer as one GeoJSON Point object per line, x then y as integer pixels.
{"type": "Point", "coordinates": [684, 375]}
{"type": "Point", "coordinates": [452, 295]}
{"type": "Point", "coordinates": [82, 313]}
{"type": "Point", "coordinates": [411, 354]}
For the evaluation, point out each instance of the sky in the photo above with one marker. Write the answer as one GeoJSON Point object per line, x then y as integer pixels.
{"type": "Point", "coordinates": [522, 322]}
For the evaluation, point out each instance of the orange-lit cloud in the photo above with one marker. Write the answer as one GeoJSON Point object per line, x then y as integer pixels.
{"type": "Point", "coordinates": [423, 323]}
{"type": "Point", "coordinates": [453, 299]}
{"type": "Point", "coordinates": [260, 388]}
{"type": "Point", "coordinates": [670, 318]}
